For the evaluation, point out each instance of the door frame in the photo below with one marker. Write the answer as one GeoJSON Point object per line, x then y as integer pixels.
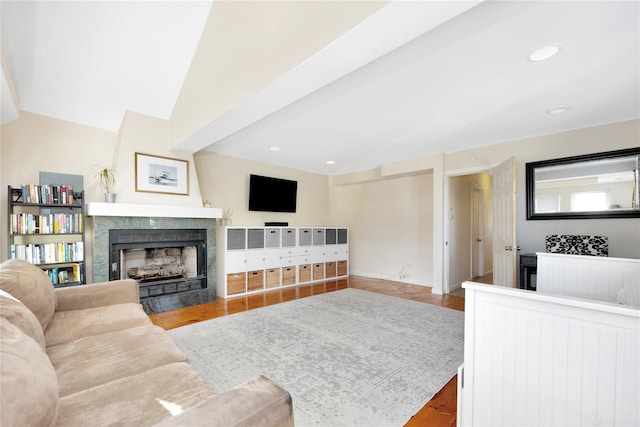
{"type": "Point", "coordinates": [478, 253]}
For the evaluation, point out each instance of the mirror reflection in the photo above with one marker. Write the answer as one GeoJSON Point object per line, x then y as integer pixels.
{"type": "Point", "coordinates": [591, 186]}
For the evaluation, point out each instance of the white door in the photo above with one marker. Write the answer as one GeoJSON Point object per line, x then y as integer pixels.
{"type": "Point", "coordinates": [477, 261]}
{"type": "Point", "coordinates": [504, 224]}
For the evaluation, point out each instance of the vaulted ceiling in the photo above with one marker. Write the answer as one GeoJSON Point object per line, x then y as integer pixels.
{"type": "Point", "coordinates": [327, 87]}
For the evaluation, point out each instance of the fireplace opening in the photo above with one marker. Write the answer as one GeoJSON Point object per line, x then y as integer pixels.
{"type": "Point", "coordinates": [163, 262]}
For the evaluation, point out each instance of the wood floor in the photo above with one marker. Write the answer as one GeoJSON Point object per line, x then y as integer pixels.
{"type": "Point", "coordinates": [439, 411]}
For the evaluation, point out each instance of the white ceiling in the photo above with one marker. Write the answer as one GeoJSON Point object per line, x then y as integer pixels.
{"type": "Point", "coordinates": [91, 61]}
{"type": "Point", "coordinates": [448, 76]}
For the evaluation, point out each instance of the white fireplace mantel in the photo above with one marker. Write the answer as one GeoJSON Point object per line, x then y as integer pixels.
{"type": "Point", "coordinates": [161, 211]}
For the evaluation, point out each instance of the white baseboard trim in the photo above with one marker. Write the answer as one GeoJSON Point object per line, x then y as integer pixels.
{"type": "Point", "coordinates": [393, 279]}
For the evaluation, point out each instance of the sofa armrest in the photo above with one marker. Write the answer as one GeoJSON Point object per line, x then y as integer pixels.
{"type": "Point", "coordinates": [97, 295]}
{"type": "Point", "coordinates": [256, 403]}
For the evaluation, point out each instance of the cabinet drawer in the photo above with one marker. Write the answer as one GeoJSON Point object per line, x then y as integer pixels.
{"type": "Point", "coordinates": [342, 268]}
{"type": "Point", "coordinates": [304, 273]}
{"type": "Point", "coordinates": [330, 268]}
{"type": "Point", "coordinates": [255, 280]}
{"type": "Point", "coordinates": [318, 271]}
{"type": "Point", "coordinates": [273, 277]}
{"type": "Point", "coordinates": [235, 283]}
{"type": "Point", "coordinates": [288, 276]}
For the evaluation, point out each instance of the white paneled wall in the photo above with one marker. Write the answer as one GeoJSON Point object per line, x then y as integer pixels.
{"type": "Point", "coordinates": [590, 277]}
{"type": "Point", "coordinates": [533, 359]}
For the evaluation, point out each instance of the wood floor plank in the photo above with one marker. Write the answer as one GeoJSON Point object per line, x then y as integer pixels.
{"type": "Point", "coordinates": [439, 411]}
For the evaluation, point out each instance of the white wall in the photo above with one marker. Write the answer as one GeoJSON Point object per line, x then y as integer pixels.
{"type": "Point", "coordinates": [148, 135]}
{"type": "Point", "coordinates": [224, 182]}
{"type": "Point", "coordinates": [391, 223]}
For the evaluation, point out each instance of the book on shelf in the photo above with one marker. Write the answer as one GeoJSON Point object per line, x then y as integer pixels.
{"type": "Point", "coordinates": [66, 275]}
{"type": "Point", "coordinates": [76, 273]}
{"type": "Point", "coordinates": [54, 275]}
{"type": "Point", "coordinates": [48, 194]}
{"type": "Point", "coordinates": [48, 253]}
{"type": "Point", "coordinates": [51, 223]}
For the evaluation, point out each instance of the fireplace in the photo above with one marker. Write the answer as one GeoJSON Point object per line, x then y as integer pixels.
{"type": "Point", "coordinates": [163, 262]}
{"type": "Point", "coordinates": [153, 233]}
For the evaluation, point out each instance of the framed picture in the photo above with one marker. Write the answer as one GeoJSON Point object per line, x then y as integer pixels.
{"type": "Point", "coordinates": [157, 174]}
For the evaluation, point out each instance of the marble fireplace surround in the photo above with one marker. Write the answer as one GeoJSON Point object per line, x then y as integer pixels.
{"type": "Point", "coordinates": [107, 216]}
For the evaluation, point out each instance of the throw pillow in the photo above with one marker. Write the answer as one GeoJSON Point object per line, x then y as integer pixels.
{"type": "Point", "coordinates": [31, 286]}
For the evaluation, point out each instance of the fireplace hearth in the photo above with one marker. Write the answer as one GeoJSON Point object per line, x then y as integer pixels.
{"type": "Point", "coordinates": [170, 265]}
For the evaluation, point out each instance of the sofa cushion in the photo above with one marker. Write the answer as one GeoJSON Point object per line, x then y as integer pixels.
{"type": "Point", "coordinates": [71, 325]}
{"type": "Point", "coordinates": [31, 286]}
{"type": "Point", "coordinates": [138, 400]}
{"type": "Point", "coordinates": [29, 394]}
{"type": "Point", "coordinates": [98, 359]}
{"type": "Point", "coordinates": [19, 315]}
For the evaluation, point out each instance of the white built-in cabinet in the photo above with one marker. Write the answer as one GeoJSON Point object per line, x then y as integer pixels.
{"type": "Point", "coordinates": [258, 259]}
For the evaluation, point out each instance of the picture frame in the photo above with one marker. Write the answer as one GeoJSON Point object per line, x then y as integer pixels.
{"type": "Point", "coordinates": [158, 174]}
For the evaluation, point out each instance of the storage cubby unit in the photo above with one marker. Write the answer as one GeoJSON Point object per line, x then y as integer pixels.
{"type": "Point", "coordinates": [258, 259]}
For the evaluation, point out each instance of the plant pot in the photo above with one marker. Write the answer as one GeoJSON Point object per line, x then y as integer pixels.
{"type": "Point", "coordinates": [225, 222]}
{"type": "Point", "coordinates": [109, 197]}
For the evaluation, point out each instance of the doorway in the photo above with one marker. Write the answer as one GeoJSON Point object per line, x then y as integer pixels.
{"type": "Point", "coordinates": [470, 228]}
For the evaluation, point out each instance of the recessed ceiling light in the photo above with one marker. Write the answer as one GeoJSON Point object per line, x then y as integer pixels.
{"type": "Point", "coordinates": [543, 53]}
{"type": "Point", "coordinates": [557, 110]}
{"type": "Point", "coordinates": [331, 162]}
{"type": "Point", "coordinates": [274, 148]}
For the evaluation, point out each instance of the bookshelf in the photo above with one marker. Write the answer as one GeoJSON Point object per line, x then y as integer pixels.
{"type": "Point", "coordinates": [46, 228]}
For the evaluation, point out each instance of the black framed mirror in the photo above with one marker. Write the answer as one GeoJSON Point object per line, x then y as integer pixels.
{"type": "Point", "coordinates": [600, 185]}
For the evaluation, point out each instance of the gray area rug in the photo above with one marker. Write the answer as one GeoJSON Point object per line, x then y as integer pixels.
{"type": "Point", "coordinates": [348, 358]}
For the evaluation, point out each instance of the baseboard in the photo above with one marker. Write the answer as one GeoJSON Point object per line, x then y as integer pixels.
{"type": "Point", "coordinates": [456, 286]}
{"type": "Point", "coordinates": [392, 279]}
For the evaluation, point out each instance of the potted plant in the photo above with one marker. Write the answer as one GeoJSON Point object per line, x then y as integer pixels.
{"type": "Point", "coordinates": [226, 217]}
{"type": "Point", "coordinates": [107, 180]}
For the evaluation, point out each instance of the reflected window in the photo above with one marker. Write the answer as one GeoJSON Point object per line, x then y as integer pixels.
{"type": "Point", "coordinates": [585, 201]}
{"type": "Point", "coordinates": [548, 202]}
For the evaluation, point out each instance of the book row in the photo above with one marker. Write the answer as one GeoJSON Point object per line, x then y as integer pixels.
{"type": "Point", "coordinates": [60, 275]}
{"type": "Point", "coordinates": [52, 223]}
{"type": "Point", "coordinates": [49, 253]}
{"type": "Point", "coordinates": [48, 194]}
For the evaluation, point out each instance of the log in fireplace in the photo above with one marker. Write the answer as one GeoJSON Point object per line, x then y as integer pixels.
{"type": "Point", "coordinates": [163, 262]}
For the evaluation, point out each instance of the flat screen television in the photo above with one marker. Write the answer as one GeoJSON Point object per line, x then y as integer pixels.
{"type": "Point", "coordinates": [272, 194]}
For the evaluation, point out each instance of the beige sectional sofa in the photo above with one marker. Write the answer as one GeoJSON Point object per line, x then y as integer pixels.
{"type": "Point", "coordinates": [89, 356]}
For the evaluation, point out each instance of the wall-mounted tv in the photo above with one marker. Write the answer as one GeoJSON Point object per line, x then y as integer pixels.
{"type": "Point", "coordinates": [272, 194]}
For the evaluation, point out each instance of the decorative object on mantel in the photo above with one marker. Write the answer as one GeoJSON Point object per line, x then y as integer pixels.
{"type": "Point", "coordinates": [206, 204]}
{"type": "Point", "coordinates": [226, 217]}
{"type": "Point", "coordinates": [107, 180]}
{"type": "Point", "coordinates": [157, 174]}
